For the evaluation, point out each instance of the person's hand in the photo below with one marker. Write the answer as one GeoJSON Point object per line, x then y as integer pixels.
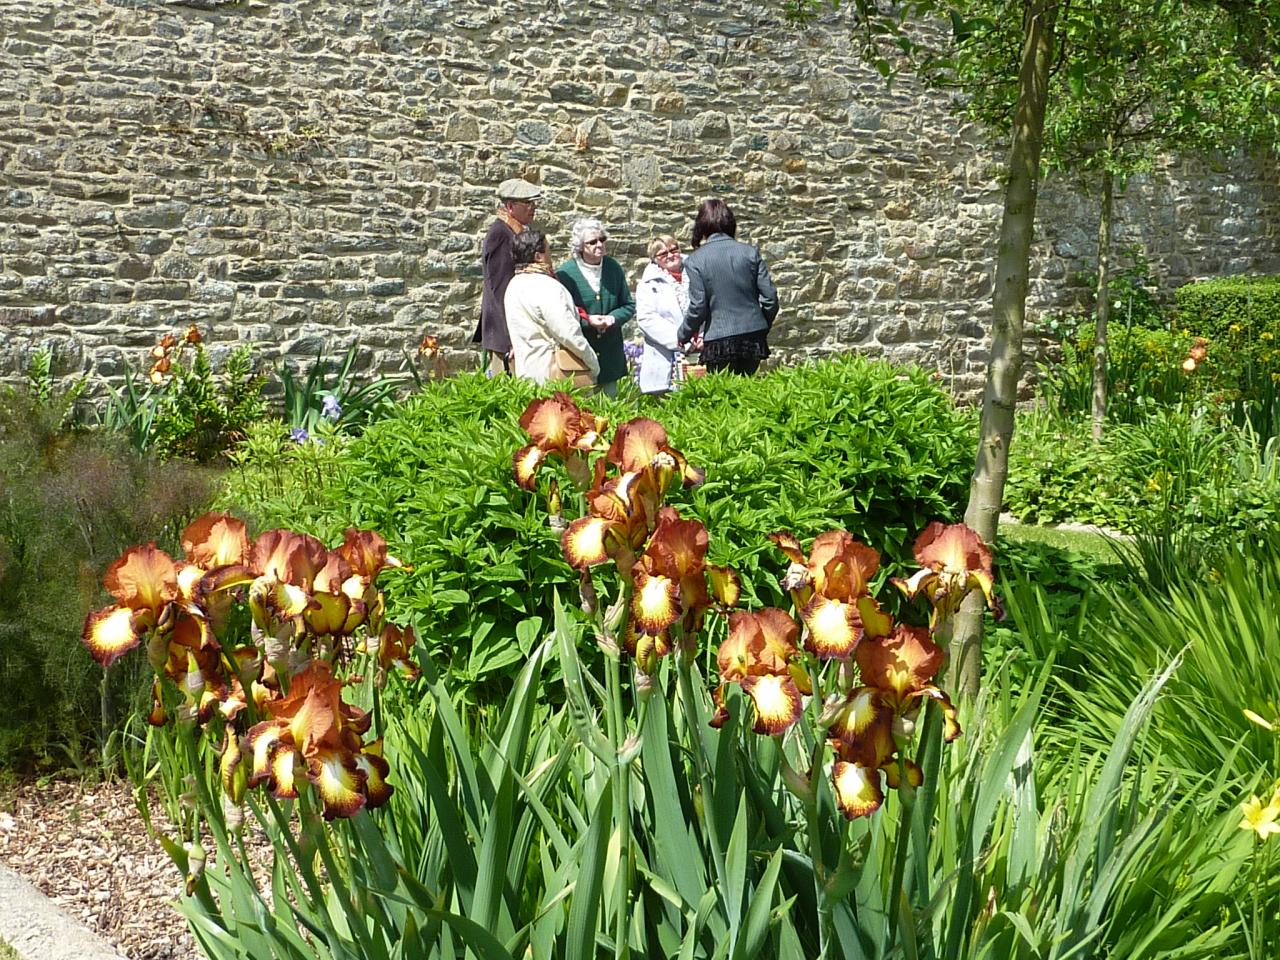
{"type": "Point", "coordinates": [600, 321]}
{"type": "Point", "coordinates": [696, 343]}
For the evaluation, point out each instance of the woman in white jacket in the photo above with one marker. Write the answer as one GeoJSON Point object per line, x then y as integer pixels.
{"type": "Point", "coordinates": [541, 317]}
{"type": "Point", "coordinates": [661, 299]}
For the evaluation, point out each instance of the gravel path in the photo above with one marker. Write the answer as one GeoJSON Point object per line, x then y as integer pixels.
{"type": "Point", "coordinates": [85, 847]}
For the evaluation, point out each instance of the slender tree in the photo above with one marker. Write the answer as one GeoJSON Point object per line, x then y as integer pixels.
{"type": "Point", "coordinates": [1015, 67]}
{"type": "Point", "coordinates": [1136, 80]}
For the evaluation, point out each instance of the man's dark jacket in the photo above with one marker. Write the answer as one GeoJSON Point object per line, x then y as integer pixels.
{"type": "Point", "coordinates": [498, 266]}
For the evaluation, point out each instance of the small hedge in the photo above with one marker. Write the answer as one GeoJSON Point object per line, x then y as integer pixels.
{"type": "Point", "coordinates": [1240, 317]}
{"type": "Point", "coordinates": [844, 443]}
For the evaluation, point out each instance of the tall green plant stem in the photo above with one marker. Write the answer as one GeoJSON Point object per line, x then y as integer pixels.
{"type": "Point", "coordinates": [621, 774]}
{"type": "Point", "coordinates": [815, 851]}
{"type": "Point", "coordinates": [685, 682]}
{"type": "Point", "coordinates": [902, 846]}
{"type": "Point", "coordinates": [986, 490]}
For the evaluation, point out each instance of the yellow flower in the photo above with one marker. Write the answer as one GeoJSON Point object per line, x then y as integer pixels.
{"type": "Point", "coordinates": [1261, 820]}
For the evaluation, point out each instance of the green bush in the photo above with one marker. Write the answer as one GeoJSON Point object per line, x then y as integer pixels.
{"type": "Point", "coordinates": [1240, 317]}
{"type": "Point", "coordinates": [845, 443]}
{"type": "Point", "coordinates": [186, 410]}
{"type": "Point", "coordinates": [70, 502]}
{"type": "Point", "coordinates": [1179, 468]}
{"type": "Point", "coordinates": [1144, 370]}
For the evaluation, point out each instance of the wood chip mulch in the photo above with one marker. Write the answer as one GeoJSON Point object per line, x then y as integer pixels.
{"type": "Point", "coordinates": [87, 849]}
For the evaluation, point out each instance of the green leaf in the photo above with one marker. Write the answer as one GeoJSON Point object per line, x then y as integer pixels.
{"type": "Point", "coordinates": [584, 908]}
{"type": "Point", "coordinates": [755, 929]}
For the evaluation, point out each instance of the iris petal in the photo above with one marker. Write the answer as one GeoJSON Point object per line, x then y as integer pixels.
{"type": "Point", "coordinates": [142, 578]}
{"type": "Point", "coordinates": [110, 633]}
{"type": "Point", "coordinates": [777, 702]}
{"type": "Point", "coordinates": [525, 465]}
{"type": "Point", "coordinates": [655, 603]}
{"type": "Point", "coordinates": [216, 540]}
{"type": "Point", "coordinates": [834, 627]}
{"type": "Point", "coordinates": [857, 789]}
{"type": "Point", "coordinates": [583, 542]}
{"type": "Point", "coordinates": [339, 781]}
{"type": "Point", "coordinates": [726, 588]}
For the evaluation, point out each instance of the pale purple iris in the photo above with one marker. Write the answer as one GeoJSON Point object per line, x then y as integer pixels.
{"type": "Point", "coordinates": [331, 408]}
{"type": "Point", "coordinates": [299, 435]}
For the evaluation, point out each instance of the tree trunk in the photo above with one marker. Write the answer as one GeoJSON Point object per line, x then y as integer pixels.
{"type": "Point", "coordinates": [986, 491]}
{"type": "Point", "coordinates": [1104, 307]}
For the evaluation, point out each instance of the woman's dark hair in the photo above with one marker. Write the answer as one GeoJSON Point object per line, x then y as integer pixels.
{"type": "Point", "coordinates": [527, 245]}
{"type": "Point", "coordinates": [714, 216]}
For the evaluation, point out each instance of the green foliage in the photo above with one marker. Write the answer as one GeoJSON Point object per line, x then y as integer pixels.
{"type": "Point", "coordinates": [129, 411]}
{"type": "Point", "coordinates": [1144, 370]}
{"type": "Point", "coordinates": [1131, 79]}
{"type": "Point", "coordinates": [1049, 592]}
{"type": "Point", "coordinates": [1179, 468]}
{"type": "Point", "coordinates": [1058, 474]}
{"type": "Point", "coordinates": [69, 503]}
{"type": "Point", "coordinates": [845, 443]}
{"type": "Point", "coordinates": [1222, 630]}
{"type": "Point", "coordinates": [1240, 317]}
{"type": "Point", "coordinates": [335, 393]}
{"type": "Point", "coordinates": [540, 838]}
{"type": "Point", "coordinates": [199, 416]}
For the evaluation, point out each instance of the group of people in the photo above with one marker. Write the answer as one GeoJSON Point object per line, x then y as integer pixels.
{"type": "Point", "coordinates": [544, 323]}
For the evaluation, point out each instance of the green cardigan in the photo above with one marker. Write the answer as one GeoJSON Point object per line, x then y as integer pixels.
{"type": "Point", "coordinates": [614, 299]}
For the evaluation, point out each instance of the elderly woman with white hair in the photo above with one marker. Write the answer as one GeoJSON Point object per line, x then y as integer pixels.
{"type": "Point", "coordinates": [598, 286]}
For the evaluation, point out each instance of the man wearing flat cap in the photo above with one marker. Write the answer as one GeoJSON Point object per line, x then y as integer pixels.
{"type": "Point", "coordinates": [517, 205]}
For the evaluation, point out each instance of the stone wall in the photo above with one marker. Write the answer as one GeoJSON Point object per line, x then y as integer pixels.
{"type": "Point", "coordinates": [306, 173]}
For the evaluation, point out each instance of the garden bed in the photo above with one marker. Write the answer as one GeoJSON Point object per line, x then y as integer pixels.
{"type": "Point", "coordinates": [85, 847]}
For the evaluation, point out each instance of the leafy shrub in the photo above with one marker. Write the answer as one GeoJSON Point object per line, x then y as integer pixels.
{"type": "Point", "coordinates": [186, 410]}
{"type": "Point", "coordinates": [69, 503]}
{"type": "Point", "coordinates": [1058, 474]}
{"type": "Point", "coordinates": [846, 443]}
{"type": "Point", "coordinates": [199, 416]}
{"type": "Point", "coordinates": [1240, 317]}
{"type": "Point", "coordinates": [1179, 468]}
{"type": "Point", "coordinates": [1144, 370]}
{"type": "Point", "coordinates": [335, 393]}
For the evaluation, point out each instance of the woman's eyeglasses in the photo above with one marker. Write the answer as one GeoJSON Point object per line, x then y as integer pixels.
{"type": "Point", "coordinates": [673, 252]}
{"type": "Point", "coordinates": [594, 242]}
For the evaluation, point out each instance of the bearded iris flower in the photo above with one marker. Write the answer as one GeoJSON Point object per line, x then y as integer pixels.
{"type": "Point", "coordinates": [954, 560]}
{"type": "Point", "coordinates": [865, 707]}
{"type": "Point", "coordinates": [557, 426]}
{"type": "Point", "coordinates": [761, 656]}
{"type": "Point", "coordinates": [830, 589]}
{"type": "Point", "coordinates": [305, 600]}
{"type": "Point", "coordinates": [144, 582]}
{"type": "Point", "coordinates": [314, 734]}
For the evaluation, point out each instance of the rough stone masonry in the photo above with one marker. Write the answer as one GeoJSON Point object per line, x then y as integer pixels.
{"type": "Point", "coordinates": [302, 174]}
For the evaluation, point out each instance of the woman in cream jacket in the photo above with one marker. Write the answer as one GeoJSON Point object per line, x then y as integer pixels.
{"type": "Point", "coordinates": [541, 317]}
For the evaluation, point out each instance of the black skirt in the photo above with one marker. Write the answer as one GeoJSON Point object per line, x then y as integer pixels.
{"type": "Point", "coordinates": [737, 354]}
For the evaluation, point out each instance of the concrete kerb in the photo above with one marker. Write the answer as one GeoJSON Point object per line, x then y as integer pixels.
{"type": "Point", "coordinates": [39, 930]}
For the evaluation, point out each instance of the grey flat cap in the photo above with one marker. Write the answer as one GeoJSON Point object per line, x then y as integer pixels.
{"type": "Point", "coordinates": [517, 189]}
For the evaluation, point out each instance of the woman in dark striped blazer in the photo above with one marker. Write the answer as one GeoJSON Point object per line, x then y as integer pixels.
{"type": "Point", "coordinates": [732, 299]}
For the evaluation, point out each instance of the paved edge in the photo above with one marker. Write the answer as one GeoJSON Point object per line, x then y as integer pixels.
{"type": "Point", "coordinates": [40, 930]}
